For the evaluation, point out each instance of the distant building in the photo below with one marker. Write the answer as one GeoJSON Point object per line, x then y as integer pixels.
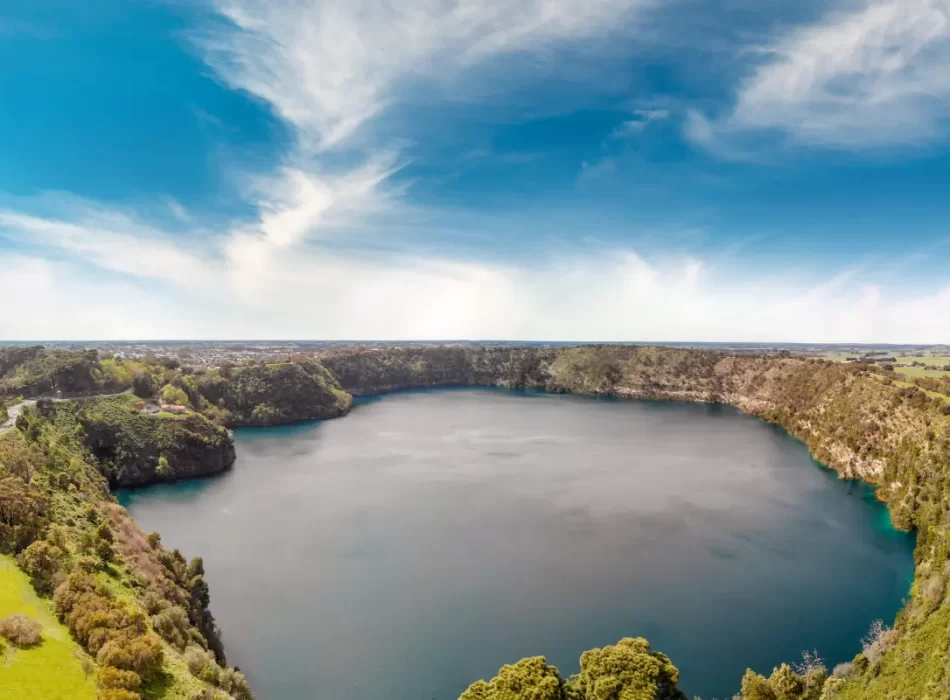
{"type": "Point", "coordinates": [174, 408]}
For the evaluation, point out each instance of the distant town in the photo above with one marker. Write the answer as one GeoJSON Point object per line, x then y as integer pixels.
{"type": "Point", "coordinates": [202, 354]}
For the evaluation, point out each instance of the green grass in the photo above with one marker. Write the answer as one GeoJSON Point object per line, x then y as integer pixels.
{"type": "Point", "coordinates": [54, 669]}
{"type": "Point", "coordinates": [914, 669]}
{"type": "Point", "coordinates": [917, 372]}
{"type": "Point", "coordinates": [903, 366]}
{"type": "Point", "coordinates": [926, 359]}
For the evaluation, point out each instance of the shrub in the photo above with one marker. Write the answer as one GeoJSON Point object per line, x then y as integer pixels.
{"type": "Point", "coordinates": [234, 683]}
{"type": "Point", "coordinates": [173, 625]}
{"type": "Point", "coordinates": [20, 631]}
{"type": "Point", "coordinates": [154, 602]}
{"type": "Point", "coordinates": [142, 655]}
{"type": "Point", "coordinates": [103, 545]}
{"type": "Point", "coordinates": [933, 592]}
{"type": "Point", "coordinates": [878, 641]}
{"type": "Point", "coordinates": [23, 511]}
{"type": "Point", "coordinates": [197, 658]}
{"type": "Point", "coordinates": [756, 687]}
{"type": "Point", "coordinates": [845, 670]}
{"type": "Point", "coordinates": [118, 694]}
{"type": "Point", "coordinates": [143, 386]}
{"type": "Point", "coordinates": [117, 679]}
{"type": "Point", "coordinates": [174, 395]}
{"type": "Point", "coordinates": [42, 561]}
{"type": "Point", "coordinates": [118, 637]}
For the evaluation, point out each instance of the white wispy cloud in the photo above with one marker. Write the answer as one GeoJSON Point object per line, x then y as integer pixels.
{"type": "Point", "coordinates": [251, 287]}
{"type": "Point", "coordinates": [328, 66]}
{"type": "Point", "coordinates": [868, 76]}
{"type": "Point", "coordinates": [110, 239]}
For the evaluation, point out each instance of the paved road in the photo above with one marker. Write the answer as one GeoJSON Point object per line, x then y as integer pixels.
{"type": "Point", "coordinates": [14, 410]}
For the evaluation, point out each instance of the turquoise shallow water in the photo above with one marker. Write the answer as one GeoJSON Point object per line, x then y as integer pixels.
{"type": "Point", "coordinates": [418, 544]}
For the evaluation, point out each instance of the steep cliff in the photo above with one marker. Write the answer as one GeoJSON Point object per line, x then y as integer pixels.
{"type": "Point", "coordinates": [135, 449]}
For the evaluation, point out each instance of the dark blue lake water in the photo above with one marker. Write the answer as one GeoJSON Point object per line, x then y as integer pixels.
{"type": "Point", "coordinates": [430, 537]}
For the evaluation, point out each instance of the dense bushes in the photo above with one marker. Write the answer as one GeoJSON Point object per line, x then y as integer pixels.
{"type": "Point", "coordinates": [272, 394]}
{"type": "Point", "coordinates": [116, 636]}
{"type": "Point", "coordinates": [786, 683]}
{"type": "Point", "coordinates": [201, 664]}
{"type": "Point", "coordinates": [628, 670]}
{"type": "Point", "coordinates": [38, 371]}
{"type": "Point", "coordinates": [57, 516]}
{"type": "Point", "coordinates": [43, 563]}
{"type": "Point", "coordinates": [23, 513]}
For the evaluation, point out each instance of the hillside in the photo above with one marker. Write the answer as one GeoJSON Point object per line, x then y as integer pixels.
{"type": "Point", "coordinates": [859, 419]}
{"type": "Point", "coordinates": [272, 394]}
{"type": "Point", "coordinates": [56, 667]}
{"type": "Point", "coordinates": [140, 612]}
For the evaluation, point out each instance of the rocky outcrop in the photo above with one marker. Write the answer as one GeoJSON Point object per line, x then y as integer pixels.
{"type": "Point", "coordinates": [137, 449]}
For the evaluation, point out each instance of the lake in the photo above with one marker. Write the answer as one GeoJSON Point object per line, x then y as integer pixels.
{"type": "Point", "coordinates": [418, 544]}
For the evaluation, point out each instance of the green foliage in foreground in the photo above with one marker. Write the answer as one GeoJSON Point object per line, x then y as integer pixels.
{"type": "Point", "coordinates": [629, 670]}
{"type": "Point", "coordinates": [54, 668]}
{"type": "Point", "coordinates": [136, 610]}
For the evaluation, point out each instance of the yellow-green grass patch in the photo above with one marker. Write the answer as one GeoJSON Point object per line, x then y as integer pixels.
{"type": "Point", "coordinates": [926, 359]}
{"type": "Point", "coordinates": [919, 372]}
{"type": "Point", "coordinates": [52, 669]}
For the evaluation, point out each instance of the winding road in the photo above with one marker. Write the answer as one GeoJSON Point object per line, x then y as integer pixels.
{"type": "Point", "coordinates": [14, 410]}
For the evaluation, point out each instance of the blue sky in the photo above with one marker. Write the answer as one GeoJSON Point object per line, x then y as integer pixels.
{"type": "Point", "coordinates": [639, 170]}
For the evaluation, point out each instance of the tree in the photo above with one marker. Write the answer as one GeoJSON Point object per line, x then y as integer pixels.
{"type": "Point", "coordinates": [786, 684]}
{"type": "Point", "coordinates": [22, 514]}
{"type": "Point", "coordinates": [104, 540]}
{"type": "Point", "coordinates": [143, 386]}
{"type": "Point", "coordinates": [20, 631]}
{"type": "Point", "coordinates": [756, 687]}
{"type": "Point", "coordinates": [174, 395]}
{"type": "Point", "coordinates": [629, 669]}
{"type": "Point", "coordinates": [42, 562]}
{"type": "Point", "coordinates": [529, 679]}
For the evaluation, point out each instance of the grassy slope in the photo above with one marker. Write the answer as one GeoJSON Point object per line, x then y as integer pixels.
{"type": "Point", "coordinates": [136, 563]}
{"type": "Point", "coordinates": [54, 669]}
